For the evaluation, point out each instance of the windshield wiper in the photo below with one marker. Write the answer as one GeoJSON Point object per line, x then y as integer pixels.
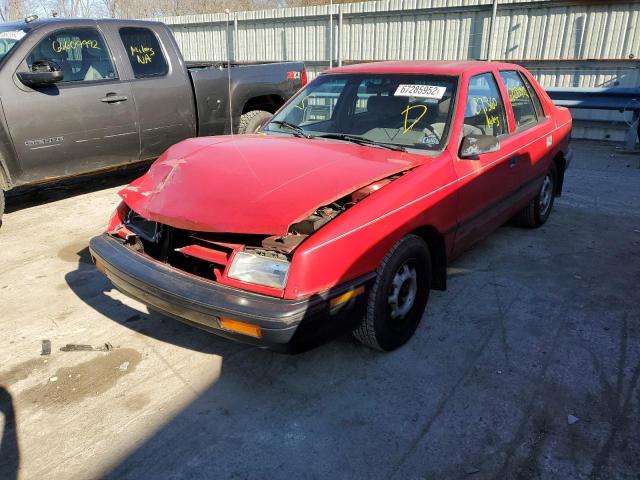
{"type": "Point", "coordinates": [297, 131]}
{"type": "Point", "coordinates": [362, 141]}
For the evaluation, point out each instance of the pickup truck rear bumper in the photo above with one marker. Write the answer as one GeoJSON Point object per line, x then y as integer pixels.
{"type": "Point", "coordinates": [286, 325]}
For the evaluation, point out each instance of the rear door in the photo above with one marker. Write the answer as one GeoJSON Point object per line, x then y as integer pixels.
{"type": "Point", "coordinates": [533, 130]}
{"type": "Point", "coordinates": [84, 123]}
{"type": "Point", "coordinates": [487, 182]}
{"type": "Point", "coordinates": [161, 87]}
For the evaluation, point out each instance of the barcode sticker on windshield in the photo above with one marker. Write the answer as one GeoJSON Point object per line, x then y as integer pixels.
{"type": "Point", "coordinates": [422, 91]}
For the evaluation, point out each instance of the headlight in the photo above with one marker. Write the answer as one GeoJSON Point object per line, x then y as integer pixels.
{"type": "Point", "coordinates": [259, 269]}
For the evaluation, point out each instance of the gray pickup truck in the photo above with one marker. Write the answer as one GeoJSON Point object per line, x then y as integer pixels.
{"type": "Point", "coordinates": [80, 96]}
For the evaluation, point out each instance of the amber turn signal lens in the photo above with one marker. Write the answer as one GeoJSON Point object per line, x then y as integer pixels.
{"type": "Point", "coordinates": [241, 327]}
{"type": "Point", "coordinates": [99, 265]}
{"type": "Point", "coordinates": [345, 297]}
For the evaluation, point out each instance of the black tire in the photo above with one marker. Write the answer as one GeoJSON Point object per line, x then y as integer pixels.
{"type": "Point", "coordinates": [537, 212]}
{"type": "Point", "coordinates": [251, 121]}
{"type": "Point", "coordinates": [381, 327]}
{"type": "Point", "coordinates": [1, 205]}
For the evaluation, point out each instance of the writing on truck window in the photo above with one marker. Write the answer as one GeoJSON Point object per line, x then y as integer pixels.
{"type": "Point", "coordinates": [142, 54]}
{"type": "Point", "coordinates": [80, 53]}
{"type": "Point", "coordinates": [66, 45]}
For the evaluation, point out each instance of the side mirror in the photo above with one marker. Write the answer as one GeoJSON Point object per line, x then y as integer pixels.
{"type": "Point", "coordinates": [474, 145]}
{"type": "Point", "coordinates": [43, 72]}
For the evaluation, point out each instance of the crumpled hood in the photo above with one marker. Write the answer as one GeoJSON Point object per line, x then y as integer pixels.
{"type": "Point", "coordinates": [255, 183]}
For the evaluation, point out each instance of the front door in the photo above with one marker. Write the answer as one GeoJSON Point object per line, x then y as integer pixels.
{"type": "Point", "coordinates": [486, 182]}
{"type": "Point", "coordinates": [84, 123]}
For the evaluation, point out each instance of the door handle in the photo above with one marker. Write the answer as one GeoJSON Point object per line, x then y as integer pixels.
{"type": "Point", "coordinates": [113, 98]}
{"type": "Point", "coordinates": [513, 161]}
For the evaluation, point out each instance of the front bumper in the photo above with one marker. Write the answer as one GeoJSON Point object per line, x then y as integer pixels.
{"type": "Point", "coordinates": [285, 324]}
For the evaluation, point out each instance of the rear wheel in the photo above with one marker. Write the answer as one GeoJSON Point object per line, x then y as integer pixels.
{"type": "Point", "coordinates": [536, 213]}
{"type": "Point", "coordinates": [398, 297]}
{"type": "Point", "coordinates": [251, 121]}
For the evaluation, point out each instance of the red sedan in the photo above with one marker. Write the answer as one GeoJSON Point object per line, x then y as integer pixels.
{"type": "Point", "coordinates": [345, 210]}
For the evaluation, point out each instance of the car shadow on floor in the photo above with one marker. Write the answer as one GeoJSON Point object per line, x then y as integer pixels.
{"type": "Point", "coordinates": [92, 287]}
{"type": "Point", "coordinates": [30, 196]}
{"type": "Point", "coordinates": [250, 379]}
{"type": "Point", "coordinates": [9, 451]}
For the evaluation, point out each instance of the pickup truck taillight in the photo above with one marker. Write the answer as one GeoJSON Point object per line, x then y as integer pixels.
{"type": "Point", "coordinates": [303, 77]}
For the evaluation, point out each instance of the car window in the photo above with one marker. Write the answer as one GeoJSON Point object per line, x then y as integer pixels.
{"type": "Point", "coordinates": [81, 54]}
{"type": "Point", "coordinates": [534, 96]}
{"type": "Point", "coordinates": [318, 105]}
{"type": "Point", "coordinates": [406, 110]}
{"type": "Point", "coordinates": [144, 52]}
{"type": "Point", "coordinates": [523, 109]}
{"type": "Point", "coordinates": [484, 112]}
{"type": "Point", "coordinates": [9, 38]}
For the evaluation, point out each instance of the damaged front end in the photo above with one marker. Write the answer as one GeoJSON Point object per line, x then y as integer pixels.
{"type": "Point", "coordinates": [252, 262]}
{"type": "Point", "coordinates": [238, 260]}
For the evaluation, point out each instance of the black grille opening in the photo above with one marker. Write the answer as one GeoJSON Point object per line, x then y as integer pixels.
{"type": "Point", "coordinates": [160, 242]}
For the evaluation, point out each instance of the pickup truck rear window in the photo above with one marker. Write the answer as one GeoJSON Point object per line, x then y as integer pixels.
{"type": "Point", "coordinates": [144, 52]}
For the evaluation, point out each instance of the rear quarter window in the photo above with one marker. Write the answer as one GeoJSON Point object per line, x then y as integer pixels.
{"type": "Point", "coordinates": [524, 111]}
{"type": "Point", "coordinates": [534, 96]}
{"type": "Point", "coordinates": [144, 52]}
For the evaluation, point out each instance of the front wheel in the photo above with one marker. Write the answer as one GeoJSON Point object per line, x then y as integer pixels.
{"type": "Point", "coordinates": [398, 297]}
{"type": "Point", "coordinates": [251, 121]}
{"type": "Point", "coordinates": [537, 212]}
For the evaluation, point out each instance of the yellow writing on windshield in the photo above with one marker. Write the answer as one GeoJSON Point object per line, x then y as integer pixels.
{"type": "Point", "coordinates": [142, 54]}
{"type": "Point", "coordinates": [301, 105]}
{"type": "Point", "coordinates": [66, 45]}
{"type": "Point", "coordinates": [408, 110]}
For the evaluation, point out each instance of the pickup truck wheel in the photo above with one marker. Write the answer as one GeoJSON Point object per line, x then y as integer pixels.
{"type": "Point", "coordinates": [1, 205]}
{"type": "Point", "coordinates": [536, 213]}
{"type": "Point", "coordinates": [251, 121]}
{"type": "Point", "coordinates": [398, 297]}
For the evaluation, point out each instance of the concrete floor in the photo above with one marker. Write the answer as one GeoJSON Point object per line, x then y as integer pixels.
{"type": "Point", "coordinates": [536, 326]}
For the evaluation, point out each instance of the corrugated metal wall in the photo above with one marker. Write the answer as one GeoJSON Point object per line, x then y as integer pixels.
{"type": "Point", "coordinates": [564, 43]}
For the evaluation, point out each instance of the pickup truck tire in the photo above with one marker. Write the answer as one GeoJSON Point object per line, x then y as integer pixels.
{"type": "Point", "coordinates": [251, 121]}
{"type": "Point", "coordinates": [399, 295]}
{"type": "Point", "coordinates": [1, 205]}
{"type": "Point", "coordinates": [536, 213]}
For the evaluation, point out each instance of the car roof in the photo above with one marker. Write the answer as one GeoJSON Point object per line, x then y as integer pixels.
{"type": "Point", "coordinates": [441, 67]}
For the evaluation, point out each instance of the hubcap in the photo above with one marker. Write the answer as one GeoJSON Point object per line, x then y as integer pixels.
{"type": "Point", "coordinates": [404, 288]}
{"type": "Point", "coordinates": [546, 194]}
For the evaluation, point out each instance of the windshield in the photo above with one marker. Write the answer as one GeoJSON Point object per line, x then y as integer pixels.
{"type": "Point", "coordinates": [395, 110]}
{"type": "Point", "coordinates": [9, 38]}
